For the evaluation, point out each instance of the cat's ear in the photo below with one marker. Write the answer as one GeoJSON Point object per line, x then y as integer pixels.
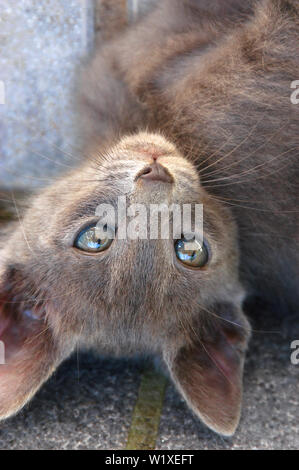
{"type": "Point", "coordinates": [29, 352]}
{"type": "Point", "coordinates": [208, 369]}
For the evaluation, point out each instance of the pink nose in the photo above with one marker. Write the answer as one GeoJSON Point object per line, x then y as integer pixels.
{"type": "Point", "coordinates": [155, 172]}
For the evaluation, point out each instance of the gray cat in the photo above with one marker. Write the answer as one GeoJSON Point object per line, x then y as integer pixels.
{"type": "Point", "coordinates": [193, 106]}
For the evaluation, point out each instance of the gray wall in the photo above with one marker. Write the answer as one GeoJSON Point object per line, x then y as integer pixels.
{"type": "Point", "coordinates": [40, 44]}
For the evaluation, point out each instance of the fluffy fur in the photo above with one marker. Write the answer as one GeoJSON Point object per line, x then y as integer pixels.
{"type": "Point", "coordinates": [206, 85]}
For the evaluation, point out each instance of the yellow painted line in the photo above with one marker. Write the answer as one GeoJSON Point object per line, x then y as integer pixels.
{"type": "Point", "coordinates": [144, 428]}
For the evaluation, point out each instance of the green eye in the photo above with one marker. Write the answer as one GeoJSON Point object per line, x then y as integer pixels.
{"type": "Point", "coordinates": [88, 240]}
{"type": "Point", "coordinates": [196, 257]}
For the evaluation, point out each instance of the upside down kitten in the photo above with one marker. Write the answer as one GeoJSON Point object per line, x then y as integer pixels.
{"type": "Point", "coordinates": [190, 106]}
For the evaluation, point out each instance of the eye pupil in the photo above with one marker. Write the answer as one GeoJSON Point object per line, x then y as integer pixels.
{"type": "Point", "coordinates": [88, 241]}
{"type": "Point", "coordinates": [196, 258]}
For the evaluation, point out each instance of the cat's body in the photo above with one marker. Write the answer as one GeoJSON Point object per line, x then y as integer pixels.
{"type": "Point", "coordinates": [220, 91]}
{"type": "Point", "coordinates": [214, 78]}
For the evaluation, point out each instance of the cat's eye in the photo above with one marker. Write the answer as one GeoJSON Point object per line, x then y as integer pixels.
{"type": "Point", "coordinates": [88, 240]}
{"type": "Point", "coordinates": [192, 252]}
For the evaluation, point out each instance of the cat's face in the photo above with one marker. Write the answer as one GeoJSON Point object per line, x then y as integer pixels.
{"type": "Point", "coordinates": [63, 286]}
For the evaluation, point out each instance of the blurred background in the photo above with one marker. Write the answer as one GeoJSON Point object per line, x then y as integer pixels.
{"type": "Point", "coordinates": [41, 44]}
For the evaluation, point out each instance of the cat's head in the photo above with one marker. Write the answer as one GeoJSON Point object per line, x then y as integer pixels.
{"type": "Point", "coordinates": [63, 284]}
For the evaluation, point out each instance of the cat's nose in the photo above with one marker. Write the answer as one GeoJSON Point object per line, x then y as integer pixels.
{"type": "Point", "coordinates": [155, 172]}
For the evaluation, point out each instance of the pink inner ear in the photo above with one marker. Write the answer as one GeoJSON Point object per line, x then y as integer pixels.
{"type": "Point", "coordinates": [32, 352]}
{"type": "Point", "coordinates": [209, 375]}
{"type": "Point", "coordinates": [31, 355]}
{"type": "Point", "coordinates": [16, 329]}
{"type": "Point", "coordinates": [225, 359]}
{"type": "Point", "coordinates": [4, 324]}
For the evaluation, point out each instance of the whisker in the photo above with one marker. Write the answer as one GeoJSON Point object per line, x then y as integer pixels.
{"type": "Point", "coordinates": [216, 152]}
{"type": "Point", "coordinates": [21, 224]}
{"type": "Point", "coordinates": [31, 178]}
{"type": "Point", "coordinates": [273, 211]}
{"type": "Point", "coordinates": [207, 352]}
{"type": "Point", "coordinates": [33, 338]}
{"type": "Point", "coordinates": [78, 366]}
{"type": "Point", "coordinates": [220, 170]}
{"type": "Point", "coordinates": [237, 324]}
{"type": "Point", "coordinates": [5, 200]}
{"type": "Point", "coordinates": [237, 147]}
{"type": "Point", "coordinates": [217, 365]}
{"type": "Point", "coordinates": [249, 172]}
{"type": "Point", "coordinates": [40, 134]}
{"type": "Point", "coordinates": [41, 299]}
{"type": "Point", "coordinates": [50, 159]}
